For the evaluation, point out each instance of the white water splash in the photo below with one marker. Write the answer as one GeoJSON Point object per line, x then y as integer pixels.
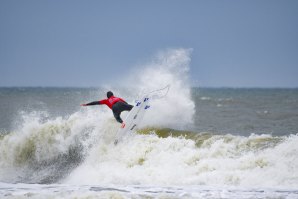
{"type": "Point", "coordinates": [170, 67]}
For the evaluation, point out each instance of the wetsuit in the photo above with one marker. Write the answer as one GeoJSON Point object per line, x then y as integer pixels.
{"type": "Point", "coordinates": [117, 105]}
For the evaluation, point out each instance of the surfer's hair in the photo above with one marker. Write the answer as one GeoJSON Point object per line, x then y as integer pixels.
{"type": "Point", "coordinates": [109, 94]}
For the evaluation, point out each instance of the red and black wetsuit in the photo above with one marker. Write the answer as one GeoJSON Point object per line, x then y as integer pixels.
{"type": "Point", "coordinates": [117, 105]}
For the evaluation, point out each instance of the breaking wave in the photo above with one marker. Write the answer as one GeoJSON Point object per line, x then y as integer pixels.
{"type": "Point", "coordinates": [79, 149]}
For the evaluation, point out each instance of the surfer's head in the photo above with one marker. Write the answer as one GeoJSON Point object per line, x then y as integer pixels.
{"type": "Point", "coordinates": [109, 94]}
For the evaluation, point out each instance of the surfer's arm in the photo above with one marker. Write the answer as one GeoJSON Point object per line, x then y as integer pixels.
{"type": "Point", "coordinates": [92, 103]}
{"type": "Point", "coordinates": [96, 103]}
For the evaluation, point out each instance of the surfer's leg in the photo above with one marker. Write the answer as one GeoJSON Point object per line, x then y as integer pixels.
{"type": "Point", "coordinates": [117, 111]}
{"type": "Point", "coordinates": [118, 108]}
{"type": "Point", "coordinates": [121, 106]}
{"type": "Point", "coordinates": [117, 117]}
{"type": "Point", "coordinates": [127, 107]}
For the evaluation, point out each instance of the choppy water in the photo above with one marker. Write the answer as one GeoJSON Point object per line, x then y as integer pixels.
{"type": "Point", "coordinates": [246, 111]}
{"type": "Point", "coordinates": [219, 111]}
{"type": "Point", "coordinates": [194, 143]}
{"type": "Point", "coordinates": [93, 192]}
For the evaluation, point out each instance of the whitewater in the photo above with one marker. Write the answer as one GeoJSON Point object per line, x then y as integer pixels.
{"type": "Point", "coordinates": [74, 156]}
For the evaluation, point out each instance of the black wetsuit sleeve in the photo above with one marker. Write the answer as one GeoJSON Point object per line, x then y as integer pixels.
{"type": "Point", "coordinates": [93, 103]}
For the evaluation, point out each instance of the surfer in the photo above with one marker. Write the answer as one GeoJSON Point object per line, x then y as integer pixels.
{"type": "Point", "coordinates": [117, 105]}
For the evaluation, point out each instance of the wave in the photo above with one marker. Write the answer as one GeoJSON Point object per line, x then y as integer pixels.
{"type": "Point", "coordinates": [70, 151]}
{"type": "Point", "coordinates": [163, 158]}
{"type": "Point", "coordinates": [41, 152]}
{"type": "Point", "coordinates": [45, 150]}
{"type": "Point", "coordinates": [257, 142]}
{"type": "Point", "coordinates": [79, 149]}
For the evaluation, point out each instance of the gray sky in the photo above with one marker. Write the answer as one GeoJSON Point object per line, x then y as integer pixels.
{"type": "Point", "coordinates": [251, 43]}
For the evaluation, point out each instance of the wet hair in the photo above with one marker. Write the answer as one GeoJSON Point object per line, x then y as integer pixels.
{"type": "Point", "coordinates": [110, 94]}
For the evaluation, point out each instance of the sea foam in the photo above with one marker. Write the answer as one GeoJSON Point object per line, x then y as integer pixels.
{"type": "Point", "coordinates": [78, 149]}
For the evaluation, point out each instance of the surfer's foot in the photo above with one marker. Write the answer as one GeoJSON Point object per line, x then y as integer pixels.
{"type": "Point", "coordinates": [122, 125]}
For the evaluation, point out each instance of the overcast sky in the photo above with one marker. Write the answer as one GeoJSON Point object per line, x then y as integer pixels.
{"type": "Point", "coordinates": [251, 43]}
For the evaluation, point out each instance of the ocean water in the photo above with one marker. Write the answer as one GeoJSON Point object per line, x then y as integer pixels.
{"type": "Point", "coordinates": [193, 143]}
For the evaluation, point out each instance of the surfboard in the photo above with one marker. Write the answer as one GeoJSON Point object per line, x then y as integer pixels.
{"type": "Point", "coordinates": [136, 114]}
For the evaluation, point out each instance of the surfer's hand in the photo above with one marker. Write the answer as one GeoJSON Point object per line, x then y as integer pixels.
{"type": "Point", "coordinates": [122, 125]}
{"type": "Point", "coordinates": [83, 105]}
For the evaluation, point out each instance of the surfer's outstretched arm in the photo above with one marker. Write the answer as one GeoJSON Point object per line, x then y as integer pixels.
{"type": "Point", "coordinates": [92, 103]}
